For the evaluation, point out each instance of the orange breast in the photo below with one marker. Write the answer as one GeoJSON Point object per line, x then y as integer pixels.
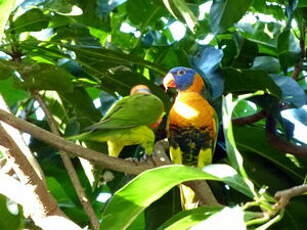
{"type": "Point", "coordinates": [192, 109]}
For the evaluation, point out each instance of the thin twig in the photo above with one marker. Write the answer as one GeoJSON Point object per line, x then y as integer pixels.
{"type": "Point", "coordinates": [69, 166]}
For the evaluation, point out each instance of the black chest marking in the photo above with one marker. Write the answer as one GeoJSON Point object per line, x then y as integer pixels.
{"type": "Point", "coordinates": [190, 140]}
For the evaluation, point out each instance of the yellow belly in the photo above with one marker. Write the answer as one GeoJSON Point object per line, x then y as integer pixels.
{"type": "Point", "coordinates": [191, 109]}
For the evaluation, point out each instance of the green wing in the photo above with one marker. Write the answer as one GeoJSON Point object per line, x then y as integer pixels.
{"type": "Point", "coordinates": [131, 111]}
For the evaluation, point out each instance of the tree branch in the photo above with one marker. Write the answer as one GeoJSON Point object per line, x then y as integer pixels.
{"type": "Point", "coordinates": [284, 196]}
{"type": "Point", "coordinates": [42, 205]}
{"type": "Point", "coordinates": [69, 166]}
{"type": "Point", "coordinates": [249, 119]}
{"type": "Point", "coordinates": [280, 144]}
{"type": "Point", "coordinates": [203, 192]}
{"type": "Point", "coordinates": [95, 157]}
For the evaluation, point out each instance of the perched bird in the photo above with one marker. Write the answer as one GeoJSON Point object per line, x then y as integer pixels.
{"type": "Point", "coordinates": [191, 126]}
{"type": "Point", "coordinates": [128, 122]}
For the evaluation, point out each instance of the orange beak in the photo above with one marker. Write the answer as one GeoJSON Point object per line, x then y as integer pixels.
{"type": "Point", "coordinates": [169, 81]}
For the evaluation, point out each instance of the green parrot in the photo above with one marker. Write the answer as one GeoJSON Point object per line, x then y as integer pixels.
{"type": "Point", "coordinates": [129, 121]}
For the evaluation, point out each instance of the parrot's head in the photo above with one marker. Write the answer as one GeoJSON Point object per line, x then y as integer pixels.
{"type": "Point", "coordinates": [183, 79]}
{"type": "Point", "coordinates": [140, 89]}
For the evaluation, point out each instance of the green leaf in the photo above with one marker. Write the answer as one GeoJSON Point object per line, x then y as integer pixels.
{"type": "Point", "coordinates": [6, 6]}
{"type": "Point", "coordinates": [47, 77]}
{"type": "Point", "coordinates": [229, 176]}
{"type": "Point", "coordinates": [9, 220]}
{"type": "Point", "coordinates": [136, 9]}
{"type": "Point", "coordinates": [6, 69]}
{"type": "Point", "coordinates": [249, 80]}
{"type": "Point", "coordinates": [59, 193]}
{"type": "Point", "coordinates": [163, 209]}
{"type": "Point", "coordinates": [288, 49]}
{"type": "Point", "coordinates": [292, 92]}
{"type": "Point", "coordinates": [180, 10]}
{"type": "Point", "coordinates": [11, 93]}
{"type": "Point", "coordinates": [61, 6]}
{"type": "Point", "coordinates": [82, 103]}
{"type": "Point", "coordinates": [233, 153]}
{"type": "Point", "coordinates": [233, 218]}
{"type": "Point", "coordinates": [97, 60]}
{"type": "Point", "coordinates": [245, 136]}
{"type": "Point", "coordinates": [264, 34]}
{"type": "Point", "coordinates": [267, 64]}
{"type": "Point", "coordinates": [94, 13]}
{"type": "Point", "coordinates": [128, 202]}
{"type": "Point", "coordinates": [32, 20]}
{"type": "Point", "coordinates": [224, 13]}
{"type": "Point", "coordinates": [186, 219]}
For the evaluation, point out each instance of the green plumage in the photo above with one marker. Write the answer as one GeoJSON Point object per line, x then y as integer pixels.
{"type": "Point", "coordinates": [126, 123]}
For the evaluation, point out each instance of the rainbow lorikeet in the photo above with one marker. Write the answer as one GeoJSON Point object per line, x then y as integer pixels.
{"type": "Point", "coordinates": [129, 121]}
{"type": "Point", "coordinates": [192, 125]}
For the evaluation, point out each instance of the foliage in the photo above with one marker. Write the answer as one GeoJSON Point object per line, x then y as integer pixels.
{"type": "Point", "coordinates": [79, 53]}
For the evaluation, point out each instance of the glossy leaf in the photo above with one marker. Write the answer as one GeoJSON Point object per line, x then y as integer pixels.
{"type": "Point", "coordinates": [186, 219]}
{"type": "Point", "coordinates": [180, 10]}
{"type": "Point", "coordinates": [206, 61]}
{"type": "Point", "coordinates": [291, 90]}
{"type": "Point", "coordinates": [233, 218]}
{"type": "Point", "coordinates": [244, 136]}
{"type": "Point", "coordinates": [32, 20]}
{"type": "Point", "coordinates": [230, 176]}
{"type": "Point", "coordinates": [249, 80]}
{"type": "Point", "coordinates": [127, 203]}
{"type": "Point", "coordinates": [97, 59]}
{"type": "Point", "coordinates": [300, 114]}
{"type": "Point", "coordinates": [267, 64]}
{"type": "Point", "coordinates": [224, 13]}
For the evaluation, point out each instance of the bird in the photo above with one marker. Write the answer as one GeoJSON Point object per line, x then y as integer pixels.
{"type": "Point", "coordinates": [192, 125]}
{"type": "Point", "coordinates": [129, 121]}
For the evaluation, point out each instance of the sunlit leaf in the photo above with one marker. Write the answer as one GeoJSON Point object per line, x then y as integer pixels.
{"type": "Point", "coordinates": [186, 219]}
{"type": "Point", "coordinates": [233, 218]}
{"type": "Point", "coordinates": [6, 6]}
{"type": "Point", "coordinates": [180, 10]}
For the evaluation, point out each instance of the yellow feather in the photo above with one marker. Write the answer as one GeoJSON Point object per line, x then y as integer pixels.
{"type": "Point", "coordinates": [204, 158]}
{"type": "Point", "coordinates": [176, 155]}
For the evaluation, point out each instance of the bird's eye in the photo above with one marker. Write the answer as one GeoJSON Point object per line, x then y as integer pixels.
{"type": "Point", "coordinates": [181, 72]}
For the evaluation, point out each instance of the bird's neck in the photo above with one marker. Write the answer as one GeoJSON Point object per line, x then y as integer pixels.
{"type": "Point", "coordinates": [197, 85]}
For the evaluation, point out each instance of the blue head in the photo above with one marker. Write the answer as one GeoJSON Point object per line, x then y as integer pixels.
{"type": "Point", "coordinates": [183, 78]}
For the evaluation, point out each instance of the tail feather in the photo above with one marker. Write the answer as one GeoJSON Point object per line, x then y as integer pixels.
{"type": "Point", "coordinates": [188, 197]}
